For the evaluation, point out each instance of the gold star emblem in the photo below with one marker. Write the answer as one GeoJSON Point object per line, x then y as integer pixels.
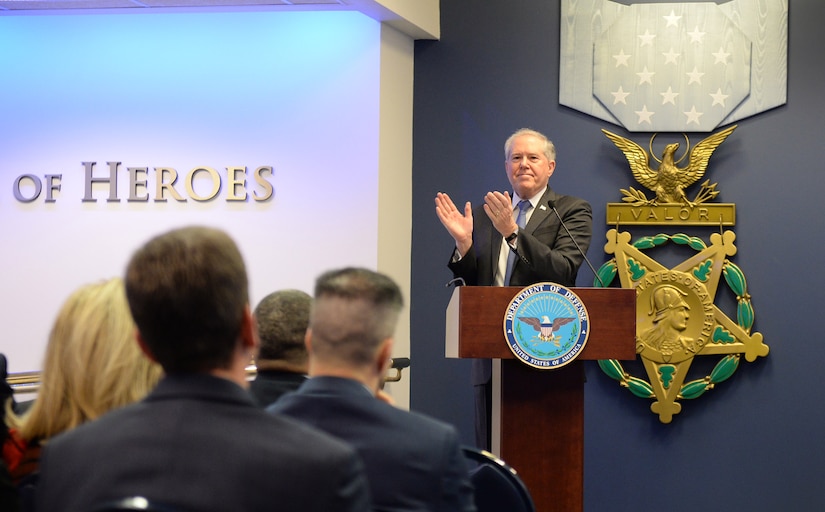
{"type": "Point", "coordinates": [677, 318]}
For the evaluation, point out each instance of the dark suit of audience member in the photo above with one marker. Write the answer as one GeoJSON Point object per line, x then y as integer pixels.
{"type": "Point", "coordinates": [282, 319]}
{"type": "Point", "coordinates": [9, 500]}
{"type": "Point", "coordinates": [413, 462]}
{"type": "Point", "coordinates": [486, 235]}
{"type": "Point", "coordinates": [198, 442]}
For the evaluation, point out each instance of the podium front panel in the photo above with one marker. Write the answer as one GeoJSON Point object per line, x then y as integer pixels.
{"type": "Point", "coordinates": [475, 322]}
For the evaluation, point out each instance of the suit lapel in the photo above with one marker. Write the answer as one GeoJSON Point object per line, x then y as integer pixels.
{"type": "Point", "coordinates": [541, 211]}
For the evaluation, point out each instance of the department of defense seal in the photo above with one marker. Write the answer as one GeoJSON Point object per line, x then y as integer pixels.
{"type": "Point", "coordinates": [546, 325]}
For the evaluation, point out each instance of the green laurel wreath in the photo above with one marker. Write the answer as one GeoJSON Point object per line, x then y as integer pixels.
{"type": "Point", "coordinates": [735, 279]}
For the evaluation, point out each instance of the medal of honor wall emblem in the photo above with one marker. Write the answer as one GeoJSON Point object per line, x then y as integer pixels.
{"type": "Point", "coordinates": [677, 314]}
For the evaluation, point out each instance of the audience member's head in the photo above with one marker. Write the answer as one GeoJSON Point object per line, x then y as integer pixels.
{"type": "Point", "coordinates": [282, 319]}
{"type": "Point", "coordinates": [353, 319]}
{"type": "Point", "coordinates": [92, 363]}
{"type": "Point", "coordinates": [413, 462]}
{"type": "Point", "coordinates": [188, 292]}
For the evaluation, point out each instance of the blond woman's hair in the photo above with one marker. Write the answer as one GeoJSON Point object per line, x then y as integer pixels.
{"type": "Point", "coordinates": [93, 363]}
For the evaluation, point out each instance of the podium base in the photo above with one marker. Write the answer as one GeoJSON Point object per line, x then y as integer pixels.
{"type": "Point", "coordinates": [541, 413]}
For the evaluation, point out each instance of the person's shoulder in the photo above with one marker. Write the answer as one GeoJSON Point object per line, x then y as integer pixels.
{"type": "Point", "coordinates": [431, 421]}
{"type": "Point", "coordinates": [564, 200]}
{"type": "Point", "coordinates": [289, 431]}
{"type": "Point", "coordinates": [90, 437]}
{"type": "Point", "coordinates": [268, 391]}
{"type": "Point", "coordinates": [425, 425]}
{"type": "Point", "coordinates": [573, 200]}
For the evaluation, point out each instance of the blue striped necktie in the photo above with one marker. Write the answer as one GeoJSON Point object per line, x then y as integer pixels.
{"type": "Point", "coordinates": [521, 220]}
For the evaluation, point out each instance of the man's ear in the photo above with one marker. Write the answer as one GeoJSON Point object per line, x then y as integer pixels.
{"type": "Point", "coordinates": [384, 360]}
{"type": "Point", "coordinates": [144, 348]}
{"type": "Point", "coordinates": [308, 340]}
{"type": "Point", "coordinates": [249, 332]}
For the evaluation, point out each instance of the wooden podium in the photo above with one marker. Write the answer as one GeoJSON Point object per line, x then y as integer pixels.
{"type": "Point", "coordinates": [538, 415]}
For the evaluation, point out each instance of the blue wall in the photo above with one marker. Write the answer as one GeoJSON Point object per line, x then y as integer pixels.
{"type": "Point", "coordinates": [754, 442]}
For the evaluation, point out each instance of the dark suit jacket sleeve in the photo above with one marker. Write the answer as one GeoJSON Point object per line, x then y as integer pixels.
{"type": "Point", "coordinates": [351, 492]}
{"type": "Point", "coordinates": [478, 266]}
{"type": "Point", "coordinates": [458, 492]}
{"type": "Point", "coordinates": [467, 268]}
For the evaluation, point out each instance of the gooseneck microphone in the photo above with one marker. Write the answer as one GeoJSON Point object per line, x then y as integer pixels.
{"type": "Point", "coordinates": [458, 281]}
{"type": "Point", "coordinates": [552, 205]}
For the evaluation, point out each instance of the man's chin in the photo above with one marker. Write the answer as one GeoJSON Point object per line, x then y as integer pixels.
{"type": "Point", "coordinates": [527, 190]}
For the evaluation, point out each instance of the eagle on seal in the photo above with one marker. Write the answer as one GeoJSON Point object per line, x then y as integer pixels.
{"type": "Point", "coordinates": [669, 181]}
{"type": "Point", "coordinates": [545, 327]}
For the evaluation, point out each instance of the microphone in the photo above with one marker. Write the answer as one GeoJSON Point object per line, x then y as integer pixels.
{"type": "Point", "coordinates": [458, 281]}
{"type": "Point", "coordinates": [400, 363]}
{"type": "Point", "coordinates": [552, 205]}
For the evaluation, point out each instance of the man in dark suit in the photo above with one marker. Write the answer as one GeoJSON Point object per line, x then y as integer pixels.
{"type": "Point", "coordinates": [489, 236]}
{"type": "Point", "coordinates": [198, 441]}
{"type": "Point", "coordinates": [413, 462]}
{"type": "Point", "coordinates": [282, 319]}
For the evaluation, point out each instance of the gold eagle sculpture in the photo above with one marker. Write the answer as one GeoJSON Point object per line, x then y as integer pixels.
{"type": "Point", "coordinates": [668, 181]}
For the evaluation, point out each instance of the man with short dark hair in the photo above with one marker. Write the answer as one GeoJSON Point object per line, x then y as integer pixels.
{"type": "Point", "coordinates": [282, 318]}
{"type": "Point", "coordinates": [413, 462]}
{"type": "Point", "coordinates": [198, 442]}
